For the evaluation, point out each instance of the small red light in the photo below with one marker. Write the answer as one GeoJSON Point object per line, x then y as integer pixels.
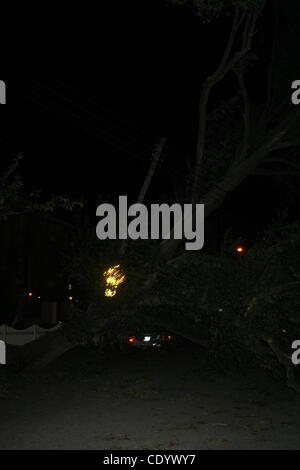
{"type": "Point", "coordinates": [284, 331]}
{"type": "Point", "coordinates": [240, 249]}
{"type": "Point", "coordinates": [131, 340]}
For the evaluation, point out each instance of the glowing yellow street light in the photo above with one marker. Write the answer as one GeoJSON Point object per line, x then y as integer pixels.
{"type": "Point", "coordinates": [113, 277]}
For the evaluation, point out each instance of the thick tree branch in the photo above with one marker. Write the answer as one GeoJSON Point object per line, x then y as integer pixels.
{"type": "Point", "coordinates": [236, 173]}
{"type": "Point", "coordinates": [270, 293]}
{"type": "Point", "coordinates": [267, 172]}
{"type": "Point", "coordinates": [225, 66]}
{"type": "Point", "coordinates": [282, 160]}
{"type": "Point", "coordinates": [285, 360]}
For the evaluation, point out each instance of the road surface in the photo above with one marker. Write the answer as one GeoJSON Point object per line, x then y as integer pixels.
{"type": "Point", "coordinates": [147, 400]}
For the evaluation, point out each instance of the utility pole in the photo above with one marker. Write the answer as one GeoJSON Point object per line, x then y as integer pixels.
{"type": "Point", "coordinates": [156, 154]}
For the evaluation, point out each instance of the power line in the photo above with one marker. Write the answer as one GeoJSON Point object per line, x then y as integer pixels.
{"type": "Point", "coordinates": [96, 117]}
{"type": "Point", "coordinates": [127, 123]}
{"type": "Point", "coordinates": [96, 132]}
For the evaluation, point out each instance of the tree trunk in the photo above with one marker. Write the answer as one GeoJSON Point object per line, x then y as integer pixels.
{"type": "Point", "coordinates": [236, 173]}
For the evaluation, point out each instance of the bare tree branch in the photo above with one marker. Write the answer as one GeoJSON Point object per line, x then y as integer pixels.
{"type": "Point", "coordinates": [225, 66]}
{"type": "Point", "coordinates": [237, 21]}
{"type": "Point", "coordinates": [11, 169]}
{"type": "Point", "coordinates": [266, 172]}
{"type": "Point", "coordinates": [282, 160]}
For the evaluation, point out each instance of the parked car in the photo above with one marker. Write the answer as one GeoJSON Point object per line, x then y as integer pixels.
{"type": "Point", "coordinates": [147, 340]}
{"type": "Point", "coordinates": [150, 341]}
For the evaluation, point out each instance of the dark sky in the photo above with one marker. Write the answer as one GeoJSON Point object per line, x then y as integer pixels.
{"type": "Point", "coordinates": [87, 110]}
{"type": "Point", "coordinates": [113, 93]}
{"type": "Point", "coordinates": [86, 126]}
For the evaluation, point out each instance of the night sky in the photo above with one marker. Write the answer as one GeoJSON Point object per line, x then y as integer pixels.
{"type": "Point", "coordinates": [87, 111]}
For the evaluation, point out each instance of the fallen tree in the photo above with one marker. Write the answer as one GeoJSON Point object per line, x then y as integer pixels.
{"type": "Point", "coordinates": [38, 354]}
{"type": "Point", "coordinates": [237, 307]}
